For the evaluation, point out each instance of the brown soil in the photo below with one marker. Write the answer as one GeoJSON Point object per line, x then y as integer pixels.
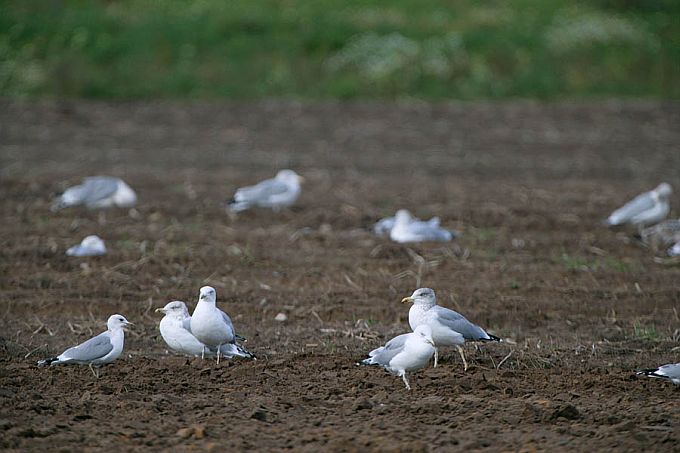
{"type": "Point", "coordinates": [526, 185]}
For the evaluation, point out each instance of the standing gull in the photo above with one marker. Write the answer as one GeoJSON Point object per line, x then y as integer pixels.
{"type": "Point", "coordinates": [645, 209]}
{"type": "Point", "coordinates": [449, 328]}
{"type": "Point", "coordinates": [406, 352]}
{"type": "Point", "coordinates": [97, 192]}
{"type": "Point", "coordinates": [670, 371]}
{"type": "Point", "coordinates": [409, 229]}
{"type": "Point", "coordinates": [104, 348]}
{"type": "Point", "coordinates": [175, 329]}
{"type": "Point", "coordinates": [210, 325]}
{"type": "Point", "coordinates": [276, 193]}
{"type": "Point", "coordinates": [90, 246]}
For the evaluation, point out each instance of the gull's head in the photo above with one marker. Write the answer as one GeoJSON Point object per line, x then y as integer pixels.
{"type": "Point", "coordinates": [117, 322]}
{"type": "Point", "coordinates": [208, 294]}
{"type": "Point", "coordinates": [175, 308]}
{"type": "Point", "coordinates": [425, 333]}
{"type": "Point", "coordinates": [664, 190]}
{"type": "Point", "coordinates": [402, 216]}
{"type": "Point", "coordinates": [421, 296]}
{"type": "Point", "coordinates": [289, 177]}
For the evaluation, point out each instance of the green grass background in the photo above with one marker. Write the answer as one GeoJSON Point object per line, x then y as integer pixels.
{"type": "Point", "coordinates": [320, 49]}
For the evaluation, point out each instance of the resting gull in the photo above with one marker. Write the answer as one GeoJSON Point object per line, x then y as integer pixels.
{"type": "Point", "coordinates": [97, 192]}
{"type": "Point", "coordinates": [403, 353]}
{"type": "Point", "coordinates": [449, 328]}
{"type": "Point", "coordinates": [175, 329]}
{"type": "Point", "coordinates": [670, 371]}
{"type": "Point", "coordinates": [104, 348]}
{"type": "Point", "coordinates": [90, 246]}
{"type": "Point", "coordinates": [276, 193]}
{"type": "Point", "coordinates": [409, 229]}
{"type": "Point", "coordinates": [645, 209]}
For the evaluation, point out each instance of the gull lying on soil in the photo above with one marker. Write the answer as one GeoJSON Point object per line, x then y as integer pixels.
{"type": "Point", "coordinates": [210, 325]}
{"type": "Point", "coordinates": [175, 329]}
{"type": "Point", "coordinates": [662, 235]}
{"type": "Point", "coordinates": [403, 353]}
{"type": "Point", "coordinates": [97, 192]}
{"type": "Point", "coordinates": [104, 348]}
{"type": "Point", "coordinates": [674, 250]}
{"type": "Point", "coordinates": [410, 229]}
{"type": "Point", "coordinates": [670, 371]}
{"type": "Point", "coordinates": [449, 328]}
{"type": "Point", "coordinates": [90, 246]}
{"type": "Point", "coordinates": [645, 209]}
{"type": "Point", "coordinates": [276, 193]}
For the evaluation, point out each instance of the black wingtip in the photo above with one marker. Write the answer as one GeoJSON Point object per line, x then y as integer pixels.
{"type": "Point", "coordinates": [494, 338]}
{"type": "Point", "coordinates": [649, 372]}
{"type": "Point", "coordinates": [42, 363]}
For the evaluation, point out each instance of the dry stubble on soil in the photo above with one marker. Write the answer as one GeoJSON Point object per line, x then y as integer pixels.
{"type": "Point", "coordinates": [525, 184]}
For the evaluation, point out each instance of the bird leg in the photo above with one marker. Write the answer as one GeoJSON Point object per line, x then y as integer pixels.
{"type": "Point", "coordinates": [435, 357]}
{"type": "Point", "coordinates": [218, 353]}
{"type": "Point", "coordinates": [403, 377]}
{"type": "Point", "coordinates": [96, 373]}
{"type": "Point", "coordinates": [462, 356]}
{"type": "Point", "coordinates": [203, 353]}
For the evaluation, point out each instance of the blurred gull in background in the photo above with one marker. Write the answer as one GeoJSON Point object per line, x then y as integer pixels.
{"type": "Point", "coordinates": [661, 235]}
{"type": "Point", "coordinates": [276, 193]}
{"type": "Point", "coordinates": [670, 371]}
{"type": "Point", "coordinates": [645, 209]}
{"type": "Point", "coordinates": [407, 228]}
{"type": "Point", "coordinates": [97, 192]}
{"type": "Point", "coordinates": [175, 329]}
{"type": "Point", "coordinates": [90, 246]}
{"type": "Point", "coordinates": [449, 328]}
{"type": "Point", "coordinates": [104, 348]}
{"type": "Point", "coordinates": [403, 353]}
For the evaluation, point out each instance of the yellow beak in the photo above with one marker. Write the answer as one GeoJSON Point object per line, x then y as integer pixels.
{"type": "Point", "coordinates": [407, 299]}
{"type": "Point", "coordinates": [160, 310]}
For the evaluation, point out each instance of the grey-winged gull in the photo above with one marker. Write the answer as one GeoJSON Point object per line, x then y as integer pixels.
{"type": "Point", "coordinates": [90, 246]}
{"type": "Point", "coordinates": [276, 193]}
{"type": "Point", "coordinates": [670, 371]}
{"type": "Point", "coordinates": [645, 209]}
{"type": "Point", "coordinates": [410, 229]}
{"type": "Point", "coordinates": [449, 328]}
{"type": "Point", "coordinates": [210, 325]}
{"type": "Point", "coordinates": [175, 329]}
{"type": "Point", "coordinates": [97, 192]}
{"type": "Point", "coordinates": [404, 353]}
{"type": "Point", "coordinates": [104, 348]}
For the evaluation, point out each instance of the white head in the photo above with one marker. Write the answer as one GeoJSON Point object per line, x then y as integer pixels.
{"type": "Point", "coordinates": [289, 177]}
{"type": "Point", "coordinates": [664, 190]}
{"type": "Point", "coordinates": [425, 332]}
{"type": "Point", "coordinates": [208, 294]}
{"type": "Point", "coordinates": [402, 216]}
{"type": "Point", "coordinates": [176, 309]}
{"type": "Point", "coordinates": [422, 296]}
{"type": "Point", "coordinates": [117, 322]}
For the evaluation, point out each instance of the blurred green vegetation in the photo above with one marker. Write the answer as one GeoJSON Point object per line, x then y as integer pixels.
{"type": "Point", "coordinates": [432, 49]}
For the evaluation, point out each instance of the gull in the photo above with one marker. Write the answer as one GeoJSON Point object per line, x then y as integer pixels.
{"type": "Point", "coordinates": [409, 229]}
{"type": "Point", "coordinates": [449, 328]}
{"type": "Point", "coordinates": [104, 348]}
{"type": "Point", "coordinates": [90, 246]}
{"type": "Point", "coordinates": [210, 325]}
{"type": "Point", "coordinates": [97, 192]}
{"type": "Point", "coordinates": [175, 329]}
{"type": "Point", "coordinates": [645, 209]}
{"type": "Point", "coordinates": [406, 352]}
{"type": "Point", "coordinates": [670, 371]}
{"type": "Point", "coordinates": [276, 193]}
{"type": "Point", "coordinates": [383, 227]}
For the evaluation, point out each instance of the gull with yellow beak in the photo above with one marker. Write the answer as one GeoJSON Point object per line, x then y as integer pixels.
{"type": "Point", "coordinates": [449, 328]}
{"type": "Point", "coordinates": [406, 352]}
